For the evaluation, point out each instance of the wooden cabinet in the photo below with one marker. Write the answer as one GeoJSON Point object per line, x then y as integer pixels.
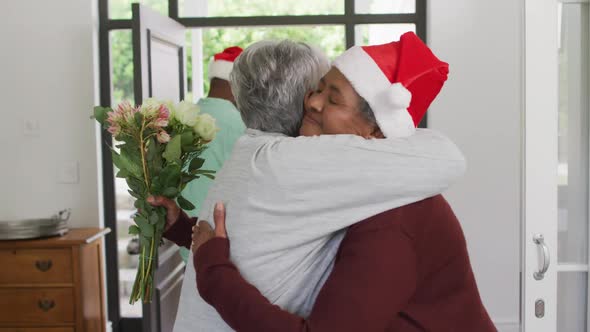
{"type": "Point", "coordinates": [53, 284]}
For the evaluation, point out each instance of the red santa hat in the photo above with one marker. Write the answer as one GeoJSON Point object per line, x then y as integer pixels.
{"type": "Point", "coordinates": [399, 80]}
{"type": "Point", "coordinates": [221, 64]}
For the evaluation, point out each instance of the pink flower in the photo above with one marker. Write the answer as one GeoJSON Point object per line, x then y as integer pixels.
{"type": "Point", "coordinates": [127, 112]}
{"type": "Point", "coordinates": [163, 112]}
{"type": "Point", "coordinates": [125, 107]}
{"type": "Point", "coordinates": [160, 123]}
{"type": "Point", "coordinates": [163, 117]}
{"type": "Point", "coordinates": [163, 136]}
{"type": "Point", "coordinates": [113, 117]}
{"type": "Point", "coordinates": [114, 129]}
{"type": "Point", "coordinates": [113, 120]}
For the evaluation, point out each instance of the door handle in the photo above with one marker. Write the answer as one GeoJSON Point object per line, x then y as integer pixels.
{"type": "Point", "coordinates": [539, 240]}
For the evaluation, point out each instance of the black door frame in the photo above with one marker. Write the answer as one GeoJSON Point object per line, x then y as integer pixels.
{"type": "Point", "coordinates": [349, 19]}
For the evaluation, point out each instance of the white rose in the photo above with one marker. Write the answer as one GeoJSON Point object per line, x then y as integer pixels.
{"type": "Point", "coordinates": [186, 113]}
{"type": "Point", "coordinates": [206, 127]}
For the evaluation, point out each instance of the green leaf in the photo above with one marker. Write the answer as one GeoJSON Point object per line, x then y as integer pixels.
{"type": "Point", "coordinates": [210, 176]}
{"type": "Point", "coordinates": [134, 194]}
{"type": "Point", "coordinates": [170, 192]}
{"type": "Point", "coordinates": [184, 203]}
{"type": "Point", "coordinates": [186, 178]}
{"type": "Point", "coordinates": [144, 241]}
{"type": "Point", "coordinates": [154, 218]}
{"type": "Point", "coordinates": [160, 226]}
{"type": "Point", "coordinates": [136, 185]}
{"type": "Point", "coordinates": [205, 172]}
{"type": "Point", "coordinates": [144, 226]}
{"type": "Point", "coordinates": [123, 174]}
{"type": "Point", "coordinates": [101, 114]}
{"type": "Point", "coordinates": [191, 148]}
{"type": "Point", "coordinates": [156, 188]}
{"type": "Point", "coordinates": [152, 149]}
{"type": "Point", "coordinates": [140, 204]}
{"type": "Point", "coordinates": [123, 162]}
{"type": "Point", "coordinates": [140, 218]}
{"type": "Point", "coordinates": [138, 117]}
{"type": "Point", "coordinates": [173, 151]}
{"type": "Point", "coordinates": [170, 176]}
{"type": "Point", "coordinates": [195, 164]}
{"type": "Point", "coordinates": [187, 138]}
{"type": "Point", "coordinates": [155, 166]}
{"type": "Point", "coordinates": [133, 230]}
{"type": "Point", "coordinates": [131, 148]}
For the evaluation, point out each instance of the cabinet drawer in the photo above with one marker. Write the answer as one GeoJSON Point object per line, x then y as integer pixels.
{"type": "Point", "coordinates": [37, 329]}
{"type": "Point", "coordinates": [26, 266]}
{"type": "Point", "coordinates": [36, 306]}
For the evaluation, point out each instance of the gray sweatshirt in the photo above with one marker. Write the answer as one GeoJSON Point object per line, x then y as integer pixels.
{"type": "Point", "coordinates": [289, 202]}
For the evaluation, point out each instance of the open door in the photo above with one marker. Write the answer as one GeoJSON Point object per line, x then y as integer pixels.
{"type": "Point", "coordinates": [539, 278]}
{"type": "Point", "coordinates": [159, 72]}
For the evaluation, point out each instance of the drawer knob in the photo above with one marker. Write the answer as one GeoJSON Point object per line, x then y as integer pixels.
{"type": "Point", "coordinates": [43, 265]}
{"type": "Point", "coordinates": [46, 305]}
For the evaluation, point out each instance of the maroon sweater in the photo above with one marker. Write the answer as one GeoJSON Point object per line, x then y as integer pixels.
{"type": "Point", "coordinates": [403, 270]}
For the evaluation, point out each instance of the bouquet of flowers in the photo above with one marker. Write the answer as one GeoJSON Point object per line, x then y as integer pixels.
{"type": "Point", "coordinates": [157, 153]}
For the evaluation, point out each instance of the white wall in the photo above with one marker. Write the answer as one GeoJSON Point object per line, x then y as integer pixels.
{"type": "Point", "coordinates": [47, 67]}
{"type": "Point", "coordinates": [480, 108]}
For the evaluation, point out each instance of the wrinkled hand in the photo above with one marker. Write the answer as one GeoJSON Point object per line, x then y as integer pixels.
{"type": "Point", "coordinates": [172, 210]}
{"type": "Point", "coordinates": [203, 231]}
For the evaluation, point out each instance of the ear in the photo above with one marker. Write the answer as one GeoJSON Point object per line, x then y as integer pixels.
{"type": "Point", "coordinates": [308, 94]}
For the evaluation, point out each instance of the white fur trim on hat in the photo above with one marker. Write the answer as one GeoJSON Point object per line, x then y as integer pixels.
{"type": "Point", "coordinates": [220, 69]}
{"type": "Point", "coordinates": [389, 102]}
{"type": "Point", "coordinates": [392, 113]}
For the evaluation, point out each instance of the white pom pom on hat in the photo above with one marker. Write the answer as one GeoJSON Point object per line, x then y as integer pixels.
{"type": "Point", "coordinates": [399, 80]}
{"type": "Point", "coordinates": [222, 63]}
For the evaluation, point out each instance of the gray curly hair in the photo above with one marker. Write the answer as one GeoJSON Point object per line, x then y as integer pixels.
{"type": "Point", "coordinates": [269, 81]}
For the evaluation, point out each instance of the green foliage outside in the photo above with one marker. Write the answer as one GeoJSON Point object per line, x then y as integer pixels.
{"type": "Point", "coordinates": [329, 38]}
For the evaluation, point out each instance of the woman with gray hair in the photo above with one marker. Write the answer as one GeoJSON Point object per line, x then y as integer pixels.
{"type": "Point", "coordinates": [269, 94]}
{"type": "Point", "coordinates": [290, 199]}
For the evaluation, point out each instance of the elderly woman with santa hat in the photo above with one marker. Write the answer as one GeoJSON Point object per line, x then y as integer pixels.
{"type": "Point", "coordinates": [295, 263]}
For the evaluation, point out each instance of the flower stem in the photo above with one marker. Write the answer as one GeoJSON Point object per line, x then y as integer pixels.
{"type": "Point", "coordinates": [146, 174]}
{"type": "Point", "coordinates": [145, 282]}
{"type": "Point", "coordinates": [143, 265]}
{"type": "Point", "coordinates": [150, 264]}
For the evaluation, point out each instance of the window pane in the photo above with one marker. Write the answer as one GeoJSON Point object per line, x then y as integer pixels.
{"type": "Point", "coordinates": [189, 64]}
{"type": "Point", "coordinates": [121, 9]}
{"type": "Point", "coordinates": [329, 38]}
{"type": "Point", "coordinates": [371, 34]}
{"type": "Point", "coordinates": [385, 6]}
{"type": "Point", "coordinates": [571, 301]}
{"type": "Point", "coordinates": [572, 168]}
{"type": "Point", "coordinates": [216, 8]}
{"type": "Point", "coordinates": [121, 66]}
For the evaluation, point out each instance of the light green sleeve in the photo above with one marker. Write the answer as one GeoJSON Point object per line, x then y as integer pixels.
{"type": "Point", "coordinates": [231, 127]}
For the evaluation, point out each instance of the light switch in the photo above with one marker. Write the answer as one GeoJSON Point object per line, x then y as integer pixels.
{"type": "Point", "coordinates": [31, 127]}
{"type": "Point", "coordinates": [68, 172]}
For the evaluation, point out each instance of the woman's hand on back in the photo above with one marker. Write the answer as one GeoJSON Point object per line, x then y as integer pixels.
{"type": "Point", "coordinates": [203, 232]}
